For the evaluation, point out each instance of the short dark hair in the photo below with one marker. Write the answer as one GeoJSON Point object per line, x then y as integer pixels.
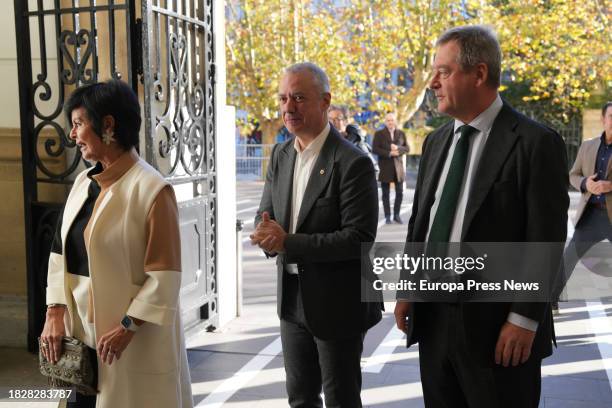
{"type": "Point", "coordinates": [114, 98]}
{"type": "Point", "coordinates": [477, 44]}
{"type": "Point", "coordinates": [339, 108]}
{"type": "Point", "coordinates": [605, 108]}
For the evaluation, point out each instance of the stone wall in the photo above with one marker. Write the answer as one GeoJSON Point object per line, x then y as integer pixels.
{"type": "Point", "coordinates": [13, 280]}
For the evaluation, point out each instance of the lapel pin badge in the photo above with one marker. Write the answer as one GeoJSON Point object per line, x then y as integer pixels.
{"type": "Point", "coordinates": [322, 172]}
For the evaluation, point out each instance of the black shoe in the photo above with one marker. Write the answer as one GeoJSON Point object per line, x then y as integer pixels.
{"type": "Point", "coordinates": [388, 220]}
{"type": "Point", "coordinates": [397, 219]}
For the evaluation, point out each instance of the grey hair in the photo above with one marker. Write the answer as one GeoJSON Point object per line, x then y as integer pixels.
{"type": "Point", "coordinates": [317, 72]}
{"type": "Point", "coordinates": [477, 44]}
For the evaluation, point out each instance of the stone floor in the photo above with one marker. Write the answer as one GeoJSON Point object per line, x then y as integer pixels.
{"type": "Point", "coordinates": [240, 365]}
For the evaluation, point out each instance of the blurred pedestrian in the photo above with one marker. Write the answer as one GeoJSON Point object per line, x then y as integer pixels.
{"type": "Point", "coordinates": [390, 145]}
{"type": "Point", "coordinates": [591, 174]}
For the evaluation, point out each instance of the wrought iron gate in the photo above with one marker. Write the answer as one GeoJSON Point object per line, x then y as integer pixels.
{"type": "Point", "coordinates": [179, 124]}
{"type": "Point", "coordinates": [62, 44]}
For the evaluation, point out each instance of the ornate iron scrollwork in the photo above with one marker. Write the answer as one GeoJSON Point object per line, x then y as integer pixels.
{"type": "Point", "coordinates": [77, 65]}
{"type": "Point", "coordinates": [183, 126]}
{"type": "Point", "coordinates": [53, 149]}
{"type": "Point", "coordinates": [181, 117]}
{"type": "Point", "coordinates": [77, 70]}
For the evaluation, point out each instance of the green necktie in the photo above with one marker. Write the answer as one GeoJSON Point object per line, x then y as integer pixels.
{"type": "Point", "coordinates": [443, 221]}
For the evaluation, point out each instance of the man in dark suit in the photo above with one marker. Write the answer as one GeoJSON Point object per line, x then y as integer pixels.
{"type": "Point", "coordinates": [390, 145]}
{"type": "Point", "coordinates": [502, 179]}
{"type": "Point", "coordinates": [319, 205]}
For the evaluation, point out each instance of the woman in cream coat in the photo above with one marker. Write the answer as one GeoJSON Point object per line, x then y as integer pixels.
{"type": "Point", "coordinates": [114, 270]}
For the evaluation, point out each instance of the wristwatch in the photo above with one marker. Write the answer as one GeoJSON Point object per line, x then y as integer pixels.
{"type": "Point", "coordinates": [128, 324]}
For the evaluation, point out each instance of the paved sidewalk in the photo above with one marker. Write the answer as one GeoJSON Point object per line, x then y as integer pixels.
{"type": "Point", "coordinates": [241, 365]}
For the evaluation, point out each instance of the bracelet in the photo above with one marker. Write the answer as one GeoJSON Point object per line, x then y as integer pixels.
{"type": "Point", "coordinates": [52, 305]}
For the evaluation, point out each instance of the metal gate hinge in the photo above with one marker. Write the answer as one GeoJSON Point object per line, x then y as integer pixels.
{"type": "Point", "coordinates": [138, 50]}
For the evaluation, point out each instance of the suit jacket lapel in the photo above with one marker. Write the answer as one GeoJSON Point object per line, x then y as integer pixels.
{"type": "Point", "coordinates": [395, 137]}
{"type": "Point", "coordinates": [72, 209]}
{"type": "Point", "coordinates": [320, 175]}
{"type": "Point", "coordinates": [499, 144]}
{"type": "Point", "coordinates": [608, 169]}
{"type": "Point", "coordinates": [590, 155]}
{"type": "Point", "coordinates": [286, 164]}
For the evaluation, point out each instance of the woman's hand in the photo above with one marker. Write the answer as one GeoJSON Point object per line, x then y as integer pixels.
{"type": "Point", "coordinates": [112, 344]}
{"type": "Point", "coordinates": [53, 333]}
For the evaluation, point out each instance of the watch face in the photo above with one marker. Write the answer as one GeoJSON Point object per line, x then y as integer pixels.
{"type": "Point", "coordinates": [125, 322]}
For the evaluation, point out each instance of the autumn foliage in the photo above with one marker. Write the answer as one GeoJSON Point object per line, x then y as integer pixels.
{"type": "Point", "coordinates": [378, 53]}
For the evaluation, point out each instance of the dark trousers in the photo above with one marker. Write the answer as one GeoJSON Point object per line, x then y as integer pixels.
{"type": "Point", "coordinates": [592, 228]}
{"type": "Point", "coordinates": [312, 363]}
{"type": "Point", "coordinates": [87, 401]}
{"type": "Point", "coordinates": [451, 378]}
{"type": "Point", "coordinates": [399, 194]}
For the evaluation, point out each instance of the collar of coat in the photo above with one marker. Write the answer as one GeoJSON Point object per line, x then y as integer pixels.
{"type": "Point", "coordinates": [106, 177]}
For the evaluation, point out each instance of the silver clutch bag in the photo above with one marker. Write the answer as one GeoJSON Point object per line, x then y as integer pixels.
{"type": "Point", "coordinates": [74, 368]}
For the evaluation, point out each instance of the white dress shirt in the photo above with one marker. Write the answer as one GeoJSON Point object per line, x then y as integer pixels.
{"type": "Point", "coordinates": [304, 162]}
{"type": "Point", "coordinates": [483, 123]}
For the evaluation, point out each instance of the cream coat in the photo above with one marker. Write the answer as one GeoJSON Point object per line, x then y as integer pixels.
{"type": "Point", "coordinates": [153, 370]}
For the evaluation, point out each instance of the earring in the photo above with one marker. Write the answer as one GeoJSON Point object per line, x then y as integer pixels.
{"type": "Point", "coordinates": [107, 137]}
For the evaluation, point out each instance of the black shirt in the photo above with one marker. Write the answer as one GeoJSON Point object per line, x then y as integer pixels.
{"type": "Point", "coordinates": [77, 261]}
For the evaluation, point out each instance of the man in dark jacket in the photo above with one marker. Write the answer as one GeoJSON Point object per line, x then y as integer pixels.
{"type": "Point", "coordinates": [489, 175]}
{"type": "Point", "coordinates": [319, 205]}
{"type": "Point", "coordinates": [338, 118]}
{"type": "Point", "coordinates": [390, 145]}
